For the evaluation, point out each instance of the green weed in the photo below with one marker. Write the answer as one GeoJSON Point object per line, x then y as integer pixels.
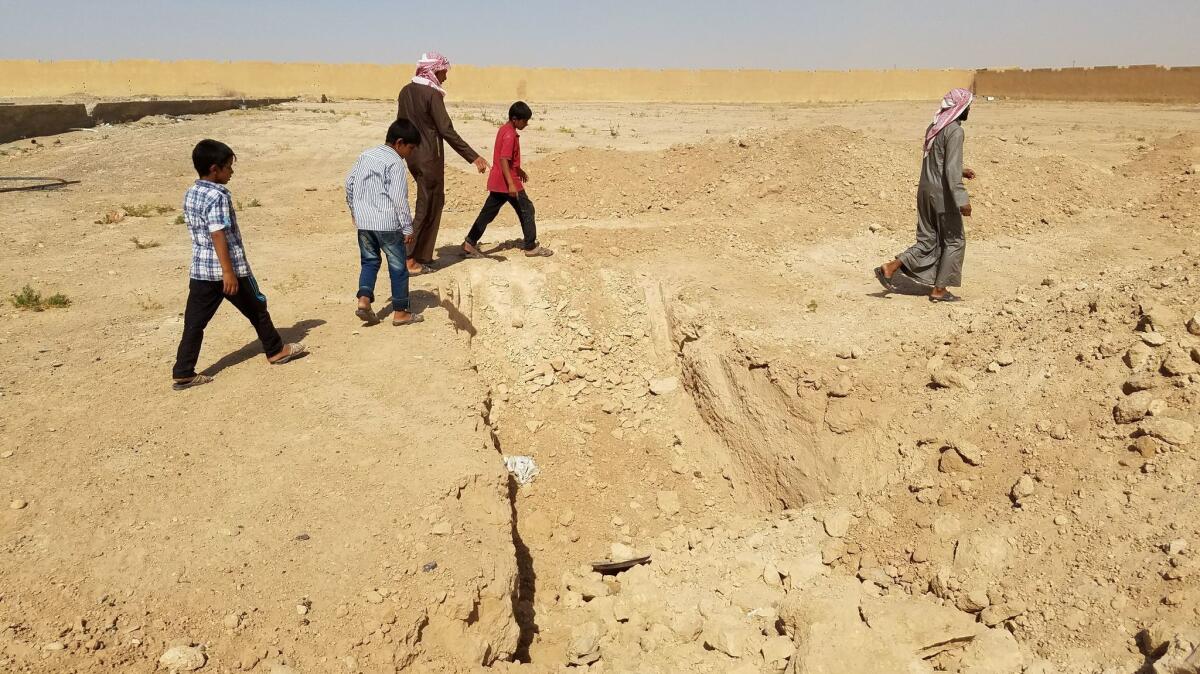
{"type": "Point", "coordinates": [32, 300]}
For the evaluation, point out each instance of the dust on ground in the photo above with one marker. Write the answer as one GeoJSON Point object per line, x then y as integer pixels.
{"type": "Point", "coordinates": [826, 479]}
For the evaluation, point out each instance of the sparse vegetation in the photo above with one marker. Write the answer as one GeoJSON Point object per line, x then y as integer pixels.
{"type": "Point", "coordinates": [32, 300]}
{"type": "Point", "coordinates": [149, 304]}
{"type": "Point", "coordinates": [143, 245]}
{"type": "Point", "coordinates": [179, 219]}
{"type": "Point", "coordinates": [566, 129]}
{"type": "Point", "coordinates": [146, 210]}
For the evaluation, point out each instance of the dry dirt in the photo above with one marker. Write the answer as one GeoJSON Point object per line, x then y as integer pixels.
{"type": "Point", "coordinates": [827, 480]}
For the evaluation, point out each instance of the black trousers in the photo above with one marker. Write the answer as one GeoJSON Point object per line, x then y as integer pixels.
{"type": "Point", "coordinates": [491, 208]}
{"type": "Point", "coordinates": [204, 298]}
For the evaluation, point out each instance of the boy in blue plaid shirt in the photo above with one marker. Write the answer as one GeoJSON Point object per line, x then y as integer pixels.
{"type": "Point", "coordinates": [219, 267]}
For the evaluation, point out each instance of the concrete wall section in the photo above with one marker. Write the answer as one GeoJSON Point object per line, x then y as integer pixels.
{"type": "Point", "coordinates": [129, 111]}
{"type": "Point", "coordinates": [18, 122]}
{"type": "Point", "coordinates": [125, 79]}
{"type": "Point", "coordinates": [1147, 84]}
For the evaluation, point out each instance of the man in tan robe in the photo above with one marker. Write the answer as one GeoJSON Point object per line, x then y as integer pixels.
{"type": "Point", "coordinates": [422, 103]}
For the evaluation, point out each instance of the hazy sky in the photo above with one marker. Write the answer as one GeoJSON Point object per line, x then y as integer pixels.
{"type": "Point", "coordinates": [830, 34]}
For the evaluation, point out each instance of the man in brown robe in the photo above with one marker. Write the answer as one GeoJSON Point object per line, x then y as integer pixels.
{"type": "Point", "coordinates": [422, 103]}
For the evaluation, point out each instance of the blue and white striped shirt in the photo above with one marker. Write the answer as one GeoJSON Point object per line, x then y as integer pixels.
{"type": "Point", "coordinates": [377, 192]}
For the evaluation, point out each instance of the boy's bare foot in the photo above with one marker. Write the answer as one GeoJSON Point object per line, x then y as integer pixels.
{"type": "Point", "coordinates": [540, 251]}
{"type": "Point", "coordinates": [406, 318]}
{"type": "Point", "coordinates": [189, 382]}
{"type": "Point", "coordinates": [471, 251]}
{"type": "Point", "coordinates": [290, 352]}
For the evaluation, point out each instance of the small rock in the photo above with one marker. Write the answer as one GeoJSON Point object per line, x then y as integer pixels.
{"type": "Point", "coordinates": [832, 551]}
{"type": "Point", "coordinates": [1004, 358]}
{"type": "Point", "coordinates": [1193, 324]}
{"type": "Point", "coordinates": [1153, 338]}
{"type": "Point", "coordinates": [442, 528]}
{"type": "Point", "coordinates": [841, 387]}
{"type": "Point", "coordinates": [1146, 446]}
{"type": "Point", "coordinates": [837, 523]}
{"type": "Point", "coordinates": [1061, 520]}
{"type": "Point", "coordinates": [429, 567]}
{"type": "Point", "coordinates": [1171, 431]}
{"type": "Point", "coordinates": [1141, 381]}
{"type": "Point", "coordinates": [668, 502]}
{"type": "Point", "coordinates": [1059, 431]}
{"type": "Point", "coordinates": [995, 615]}
{"type": "Point", "coordinates": [232, 621]}
{"type": "Point", "coordinates": [1023, 489]}
{"type": "Point", "coordinates": [945, 377]}
{"type": "Point", "coordinates": [18, 504]}
{"type": "Point", "coordinates": [974, 601]}
{"type": "Point", "coordinates": [584, 647]}
{"type": "Point", "coordinates": [920, 553]}
{"type": "Point", "coordinates": [566, 517]}
{"type": "Point", "coordinates": [951, 462]}
{"type": "Point", "coordinates": [182, 659]}
{"type": "Point", "coordinates": [968, 451]}
{"type": "Point", "coordinates": [1133, 408]}
{"type": "Point", "coordinates": [55, 646]}
{"type": "Point", "coordinates": [1178, 365]}
{"type": "Point", "coordinates": [373, 597]}
{"type": "Point", "coordinates": [778, 649]}
{"type": "Point", "coordinates": [1140, 358]}
{"type": "Point", "coordinates": [619, 552]}
{"type": "Point", "coordinates": [1175, 547]}
{"type": "Point", "coordinates": [664, 385]}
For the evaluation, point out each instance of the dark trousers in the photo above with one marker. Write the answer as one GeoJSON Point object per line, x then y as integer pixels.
{"type": "Point", "coordinates": [391, 245]}
{"type": "Point", "coordinates": [204, 298]}
{"type": "Point", "coordinates": [491, 208]}
{"type": "Point", "coordinates": [427, 217]}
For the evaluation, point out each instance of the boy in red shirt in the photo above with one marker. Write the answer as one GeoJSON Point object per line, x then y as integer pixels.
{"type": "Point", "coordinates": [506, 184]}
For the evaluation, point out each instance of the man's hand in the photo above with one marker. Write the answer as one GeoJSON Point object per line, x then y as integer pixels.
{"type": "Point", "coordinates": [965, 210]}
{"type": "Point", "coordinates": [409, 238]}
{"type": "Point", "coordinates": [229, 283]}
{"type": "Point", "coordinates": [512, 192]}
{"type": "Point", "coordinates": [481, 164]}
{"type": "Point", "coordinates": [969, 174]}
{"type": "Point", "coordinates": [523, 174]}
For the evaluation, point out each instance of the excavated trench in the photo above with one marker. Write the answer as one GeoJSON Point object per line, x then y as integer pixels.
{"type": "Point", "coordinates": [790, 435]}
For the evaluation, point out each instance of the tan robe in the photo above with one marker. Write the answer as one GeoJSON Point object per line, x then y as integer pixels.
{"type": "Point", "coordinates": [424, 106]}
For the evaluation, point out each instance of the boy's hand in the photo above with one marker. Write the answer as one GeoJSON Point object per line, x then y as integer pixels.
{"type": "Point", "coordinates": [230, 283]}
{"type": "Point", "coordinates": [965, 210]}
{"type": "Point", "coordinates": [512, 191]}
{"type": "Point", "coordinates": [409, 238]}
{"type": "Point", "coordinates": [969, 174]}
{"type": "Point", "coordinates": [481, 164]}
{"type": "Point", "coordinates": [523, 174]}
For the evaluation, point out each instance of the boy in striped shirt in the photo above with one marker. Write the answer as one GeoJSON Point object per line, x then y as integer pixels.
{"type": "Point", "coordinates": [377, 194]}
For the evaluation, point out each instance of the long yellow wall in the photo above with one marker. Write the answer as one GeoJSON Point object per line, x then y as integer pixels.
{"type": "Point", "coordinates": [1147, 84]}
{"type": "Point", "coordinates": [47, 79]}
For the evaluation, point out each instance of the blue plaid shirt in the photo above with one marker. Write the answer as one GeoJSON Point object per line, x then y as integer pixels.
{"type": "Point", "coordinates": [208, 208]}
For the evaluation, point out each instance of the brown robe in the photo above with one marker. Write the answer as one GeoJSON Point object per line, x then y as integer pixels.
{"type": "Point", "coordinates": [424, 106]}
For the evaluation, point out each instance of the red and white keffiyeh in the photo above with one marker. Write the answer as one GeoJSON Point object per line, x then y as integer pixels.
{"type": "Point", "coordinates": [953, 105]}
{"type": "Point", "coordinates": [427, 69]}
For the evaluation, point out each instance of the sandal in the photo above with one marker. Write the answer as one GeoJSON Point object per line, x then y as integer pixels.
{"type": "Point", "coordinates": [540, 251]}
{"type": "Point", "coordinates": [415, 318]}
{"type": "Point", "coordinates": [948, 297]}
{"type": "Point", "coordinates": [366, 315]}
{"type": "Point", "coordinates": [425, 269]}
{"type": "Point", "coordinates": [884, 280]}
{"type": "Point", "coordinates": [294, 351]}
{"type": "Point", "coordinates": [189, 383]}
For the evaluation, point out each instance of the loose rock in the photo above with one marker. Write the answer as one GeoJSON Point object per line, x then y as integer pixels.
{"type": "Point", "coordinates": [182, 659]}
{"type": "Point", "coordinates": [1171, 431]}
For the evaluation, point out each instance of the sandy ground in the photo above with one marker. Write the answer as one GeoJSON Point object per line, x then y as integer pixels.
{"type": "Point", "coordinates": [706, 372]}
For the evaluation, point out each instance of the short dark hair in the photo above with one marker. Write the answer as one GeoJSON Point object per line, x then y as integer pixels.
{"type": "Point", "coordinates": [404, 130]}
{"type": "Point", "coordinates": [520, 111]}
{"type": "Point", "coordinates": [209, 153]}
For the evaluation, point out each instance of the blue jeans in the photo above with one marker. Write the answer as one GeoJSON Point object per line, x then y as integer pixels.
{"type": "Point", "coordinates": [391, 244]}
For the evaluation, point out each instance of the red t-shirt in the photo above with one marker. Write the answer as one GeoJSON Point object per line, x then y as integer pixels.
{"type": "Point", "coordinates": [508, 146]}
